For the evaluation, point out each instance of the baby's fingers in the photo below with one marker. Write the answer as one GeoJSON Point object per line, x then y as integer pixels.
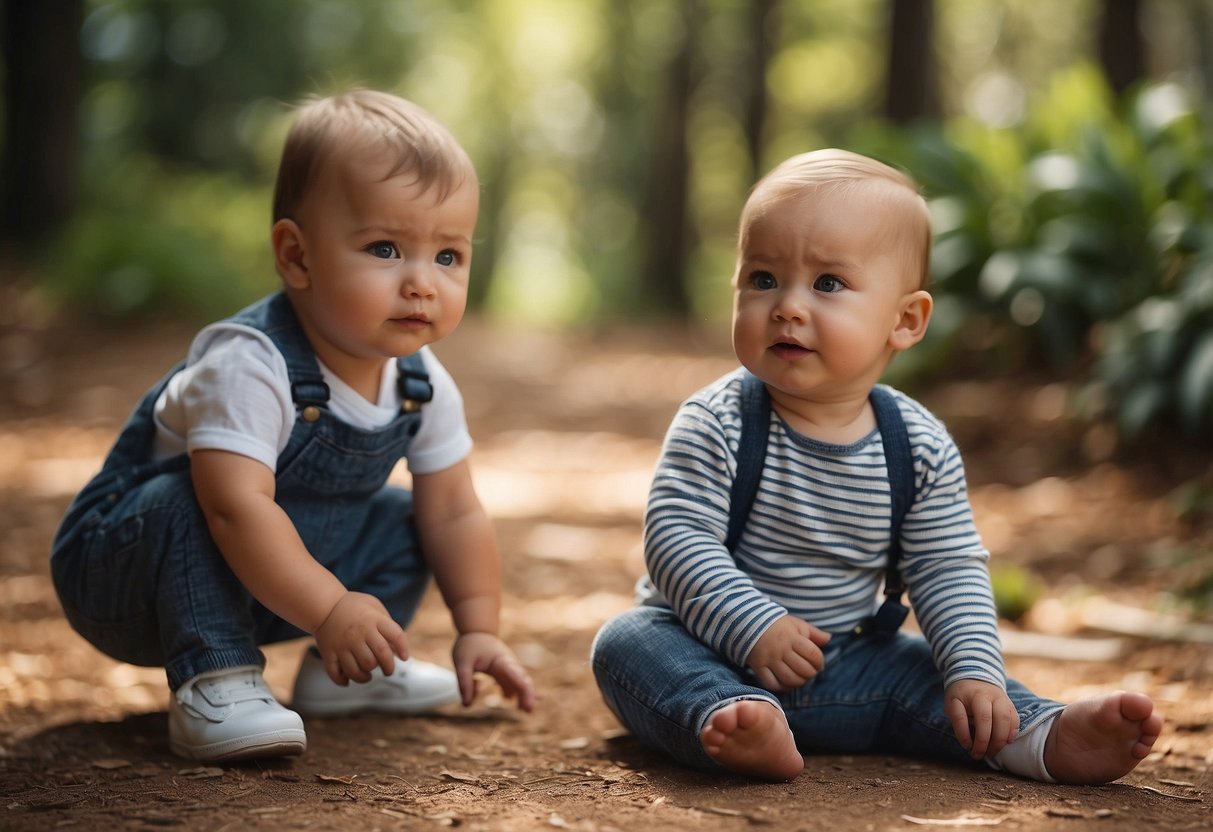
{"type": "Point", "coordinates": [803, 667]}
{"type": "Point", "coordinates": [767, 681]}
{"type": "Point", "coordinates": [1006, 727]}
{"type": "Point", "coordinates": [465, 674]}
{"type": "Point", "coordinates": [806, 654]}
{"type": "Point", "coordinates": [514, 681]}
{"type": "Point", "coordinates": [958, 715]}
{"type": "Point", "coordinates": [982, 717]}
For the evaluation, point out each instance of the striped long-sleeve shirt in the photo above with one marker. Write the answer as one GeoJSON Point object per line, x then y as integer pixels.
{"type": "Point", "coordinates": [817, 538]}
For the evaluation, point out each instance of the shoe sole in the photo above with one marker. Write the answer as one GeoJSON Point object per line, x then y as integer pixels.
{"type": "Point", "coordinates": [287, 743]}
{"type": "Point", "coordinates": [414, 707]}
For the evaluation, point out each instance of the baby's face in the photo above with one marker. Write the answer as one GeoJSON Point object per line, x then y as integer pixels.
{"type": "Point", "coordinates": [387, 263]}
{"type": "Point", "coordinates": [819, 288]}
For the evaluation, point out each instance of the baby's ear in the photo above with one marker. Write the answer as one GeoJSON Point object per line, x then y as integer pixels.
{"type": "Point", "coordinates": [286, 238]}
{"type": "Point", "coordinates": [912, 324]}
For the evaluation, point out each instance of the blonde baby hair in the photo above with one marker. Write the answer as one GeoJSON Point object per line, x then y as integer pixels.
{"type": "Point", "coordinates": [366, 122]}
{"type": "Point", "coordinates": [831, 170]}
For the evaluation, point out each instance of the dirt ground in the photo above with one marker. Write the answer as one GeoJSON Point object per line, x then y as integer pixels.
{"type": "Point", "coordinates": [568, 426]}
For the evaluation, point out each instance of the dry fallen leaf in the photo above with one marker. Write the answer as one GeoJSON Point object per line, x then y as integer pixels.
{"type": "Point", "coordinates": [461, 776]}
{"type": "Point", "coordinates": [110, 764]}
{"type": "Point", "coordinates": [332, 778]}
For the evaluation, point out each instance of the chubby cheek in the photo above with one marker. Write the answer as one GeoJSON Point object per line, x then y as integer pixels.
{"type": "Point", "coordinates": [749, 322]}
{"type": "Point", "coordinates": [453, 306]}
{"type": "Point", "coordinates": [748, 343]}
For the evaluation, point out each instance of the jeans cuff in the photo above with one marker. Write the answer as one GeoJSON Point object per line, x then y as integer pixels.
{"type": "Point", "coordinates": [181, 669]}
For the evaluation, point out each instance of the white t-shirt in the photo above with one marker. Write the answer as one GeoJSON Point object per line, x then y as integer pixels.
{"type": "Point", "coordinates": [234, 394]}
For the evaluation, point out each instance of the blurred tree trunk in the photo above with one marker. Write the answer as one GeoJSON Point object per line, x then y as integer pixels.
{"type": "Point", "coordinates": [1121, 50]}
{"type": "Point", "coordinates": [764, 23]}
{"type": "Point", "coordinates": [912, 86]}
{"type": "Point", "coordinates": [42, 64]}
{"type": "Point", "coordinates": [1199, 15]}
{"type": "Point", "coordinates": [668, 237]}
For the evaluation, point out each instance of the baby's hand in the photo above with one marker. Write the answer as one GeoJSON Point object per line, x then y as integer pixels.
{"type": "Point", "coordinates": [357, 636]}
{"type": "Point", "coordinates": [485, 653]}
{"type": "Point", "coordinates": [983, 716]}
{"type": "Point", "coordinates": [788, 654]}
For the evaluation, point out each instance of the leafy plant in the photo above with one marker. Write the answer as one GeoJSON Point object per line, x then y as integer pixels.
{"type": "Point", "coordinates": [156, 239]}
{"type": "Point", "coordinates": [1081, 241]}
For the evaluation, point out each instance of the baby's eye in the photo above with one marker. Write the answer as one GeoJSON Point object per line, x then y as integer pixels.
{"type": "Point", "coordinates": [447, 257]}
{"type": "Point", "coordinates": [382, 249]}
{"type": "Point", "coordinates": [762, 280]}
{"type": "Point", "coordinates": [828, 283]}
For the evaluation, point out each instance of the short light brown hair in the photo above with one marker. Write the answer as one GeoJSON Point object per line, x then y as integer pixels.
{"type": "Point", "coordinates": [366, 122]}
{"type": "Point", "coordinates": [834, 170]}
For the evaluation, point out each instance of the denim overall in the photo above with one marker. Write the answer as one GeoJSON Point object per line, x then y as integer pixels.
{"type": "Point", "coordinates": [139, 575]}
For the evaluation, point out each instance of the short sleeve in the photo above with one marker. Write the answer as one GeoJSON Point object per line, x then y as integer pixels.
{"type": "Point", "coordinates": [443, 438]}
{"type": "Point", "coordinates": [233, 395]}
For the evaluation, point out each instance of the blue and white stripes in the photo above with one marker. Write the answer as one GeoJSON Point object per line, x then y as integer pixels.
{"type": "Point", "coordinates": [816, 541]}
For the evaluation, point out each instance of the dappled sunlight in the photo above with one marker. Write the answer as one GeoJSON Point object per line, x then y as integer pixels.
{"type": "Point", "coordinates": [545, 473]}
{"type": "Point", "coordinates": [641, 378]}
{"type": "Point", "coordinates": [574, 613]}
{"type": "Point", "coordinates": [1052, 521]}
{"type": "Point", "coordinates": [575, 544]}
{"type": "Point", "coordinates": [47, 461]}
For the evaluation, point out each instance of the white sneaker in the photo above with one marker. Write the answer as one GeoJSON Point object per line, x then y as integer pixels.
{"type": "Point", "coordinates": [231, 714]}
{"type": "Point", "coordinates": [414, 687]}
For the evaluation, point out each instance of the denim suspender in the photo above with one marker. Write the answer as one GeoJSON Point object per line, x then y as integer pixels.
{"type": "Point", "coordinates": [751, 454]}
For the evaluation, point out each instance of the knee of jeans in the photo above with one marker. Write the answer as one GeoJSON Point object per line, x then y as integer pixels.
{"type": "Point", "coordinates": [603, 643]}
{"type": "Point", "coordinates": [617, 638]}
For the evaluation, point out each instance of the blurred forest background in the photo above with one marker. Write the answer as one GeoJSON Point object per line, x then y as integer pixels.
{"type": "Point", "coordinates": [1065, 149]}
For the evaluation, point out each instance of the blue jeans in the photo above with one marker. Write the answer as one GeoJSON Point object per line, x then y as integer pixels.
{"type": "Point", "coordinates": [148, 585]}
{"type": "Point", "coordinates": [873, 694]}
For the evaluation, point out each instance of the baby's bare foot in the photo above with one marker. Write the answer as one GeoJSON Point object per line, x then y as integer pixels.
{"type": "Point", "coordinates": [752, 737]}
{"type": "Point", "coordinates": [1100, 739]}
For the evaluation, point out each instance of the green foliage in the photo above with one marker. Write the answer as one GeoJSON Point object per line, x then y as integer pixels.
{"type": "Point", "coordinates": [1081, 241]}
{"type": "Point", "coordinates": [158, 240]}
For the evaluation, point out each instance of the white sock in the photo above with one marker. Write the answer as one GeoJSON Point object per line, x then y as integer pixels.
{"type": "Point", "coordinates": [1025, 755]}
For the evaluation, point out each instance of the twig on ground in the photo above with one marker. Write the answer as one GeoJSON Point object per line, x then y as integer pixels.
{"type": "Point", "coordinates": [1188, 798]}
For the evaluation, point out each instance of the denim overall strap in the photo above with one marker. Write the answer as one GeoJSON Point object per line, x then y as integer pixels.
{"type": "Point", "coordinates": [900, 465]}
{"type": "Point", "coordinates": [751, 455]}
{"type": "Point", "coordinates": [276, 317]}
{"type": "Point", "coordinates": [331, 479]}
{"type": "Point", "coordinates": [325, 456]}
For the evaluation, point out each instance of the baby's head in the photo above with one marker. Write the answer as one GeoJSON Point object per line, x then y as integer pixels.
{"type": "Point", "coordinates": [330, 133]}
{"type": "Point", "coordinates": [375, 213]}
{"type": "Point", "coordinates": [821, 174]}
{"type": "Point", "coordinates": [831, 264]}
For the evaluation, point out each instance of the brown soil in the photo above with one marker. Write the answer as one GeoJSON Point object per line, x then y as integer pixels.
{"type": "Point", "coordinates": [568, 427]}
